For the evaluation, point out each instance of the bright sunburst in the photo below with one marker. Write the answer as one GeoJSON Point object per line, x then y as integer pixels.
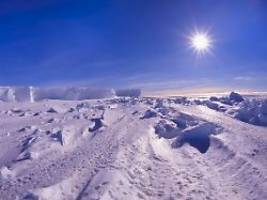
{"type": "Point", "coordinates": [200, 42]}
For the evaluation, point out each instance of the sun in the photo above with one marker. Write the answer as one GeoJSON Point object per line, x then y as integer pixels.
{"type": "Point", "coordinates": [200, 42]}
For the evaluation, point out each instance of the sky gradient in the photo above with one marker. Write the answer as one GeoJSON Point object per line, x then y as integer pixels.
{"type": "Point", "coordinates": [133, 43]}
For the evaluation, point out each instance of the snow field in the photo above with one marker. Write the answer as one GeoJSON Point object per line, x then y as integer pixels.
{"type": "Point", "coordinates": [131, 148]}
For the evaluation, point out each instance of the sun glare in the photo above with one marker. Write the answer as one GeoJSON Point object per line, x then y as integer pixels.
{"type": "Point", "coordinates": [200, 42]}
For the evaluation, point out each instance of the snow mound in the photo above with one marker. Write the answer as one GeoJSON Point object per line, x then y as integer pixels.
{"type": "Point", "coordinates": [235, 97]}
{"type": "Point", "coordinates": [212, 105]}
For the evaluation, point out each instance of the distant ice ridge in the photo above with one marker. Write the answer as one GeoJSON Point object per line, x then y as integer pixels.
{"type": "Point", "coordinates": [128, 93]}
{"type": "Point", "coordinates": [71, 93]}
{"type": "Point", "coordinates": [32, 94]}
{"type": "Point", "coordinates": [13, 94]}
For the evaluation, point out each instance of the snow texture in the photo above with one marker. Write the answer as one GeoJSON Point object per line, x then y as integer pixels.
{"type": "Point", "coordinates": [131, 148]}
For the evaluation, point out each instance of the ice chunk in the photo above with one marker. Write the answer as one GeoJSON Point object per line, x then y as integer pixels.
{"type": "Point", "coordinates": [225, 100]}
{"type": "Point", "coordinates": [235, 97]}
{"type": "Point", "coordinates": [212, 105]}
{"type": "Point", "coordinates": [197, 136]}
{"type": "Point", "coordinates": [214, 98]}
{"type": "Point", "coordinates": [167, 129]}
{"type": "Point", "coordinates": [149, 114]}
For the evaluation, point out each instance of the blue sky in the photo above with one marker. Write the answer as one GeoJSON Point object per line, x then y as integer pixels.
{"type": "Point", "coordinates": [133, 43]}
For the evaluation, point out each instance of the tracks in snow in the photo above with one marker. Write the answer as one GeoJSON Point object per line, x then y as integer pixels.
{"type": "Point", "coordinates": [125, 158]}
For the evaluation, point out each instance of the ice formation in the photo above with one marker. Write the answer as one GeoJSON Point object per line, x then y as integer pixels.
{"type": "Point", "coordinates": [32, 94]}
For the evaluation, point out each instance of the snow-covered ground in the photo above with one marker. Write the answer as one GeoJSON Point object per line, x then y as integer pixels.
{"type": "Point", "coordinates": [134, 148]}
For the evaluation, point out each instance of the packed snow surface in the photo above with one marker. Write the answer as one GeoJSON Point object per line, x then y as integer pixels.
{"type": "Point", "coordinates": [134, 148]}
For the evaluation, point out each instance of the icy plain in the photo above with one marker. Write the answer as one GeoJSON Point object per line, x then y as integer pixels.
{"type": "Point", "coordinates": [134, 148]}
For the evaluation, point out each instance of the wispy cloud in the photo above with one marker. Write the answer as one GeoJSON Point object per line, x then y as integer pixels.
{"type": "Point", "coordinates": [244, 78]}
{"type": "Point", "coordinates": [162, 84]}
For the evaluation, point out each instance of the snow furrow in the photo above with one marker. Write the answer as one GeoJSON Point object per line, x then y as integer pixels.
{"type": "Point", "coordinates": [128, 148]}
